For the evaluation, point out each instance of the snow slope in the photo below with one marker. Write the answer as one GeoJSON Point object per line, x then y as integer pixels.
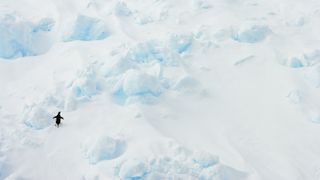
{"type": "Point", "coordinates": [160, 89]}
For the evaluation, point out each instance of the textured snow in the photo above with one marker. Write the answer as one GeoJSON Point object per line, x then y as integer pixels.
{"type": "Point", "coordinates": [161, 89]}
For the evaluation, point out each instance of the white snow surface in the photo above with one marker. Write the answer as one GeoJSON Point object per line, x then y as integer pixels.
{"type": "Point", "coordinates": [160, 89]}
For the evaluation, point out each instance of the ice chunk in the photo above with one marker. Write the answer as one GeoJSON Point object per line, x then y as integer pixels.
{"type": "Point", "coordinates": [105, 148]}
{"type": "Point", "coordinates": [305, 59]}
{"type": "Point", "coordinates": [139, 83]}
{"type": "Point", "coordinates": [201, 4]}
{"type": "Point", "coordinates": [186, 84]}
{"type": "Point", "coordinates": [21, 38]}
{"type": "Point", "coordinates": [181, 43]}
{"type": "Point", "coordinates": [143, 19]}
{"type": "Point", "coordinates": [133, 169]}
{"type": "Point", "coordinates": [210, 173]}
{"type": "Point", "coordinates": [143, 52]}
{"type": "Point", "coordinates": [253, 34]}
{"type": "Point", "coordinates": [117, 67]}
{"type": "Point", "coordinates": [45, 24]}
{"type": "Point", "coordinates": [205, 159]}
{"type": "Point", "coordinates": [296, 62]}
{"type": "Point", "coordinates": [87, 28]}
{"type": "Point", "coordinates": [88, 82]}
{"type": "Point", "coordinates": [121, 9]}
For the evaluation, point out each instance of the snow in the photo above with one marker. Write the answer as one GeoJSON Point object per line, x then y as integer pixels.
{"type": "Point", "coordinates": [160, 89]}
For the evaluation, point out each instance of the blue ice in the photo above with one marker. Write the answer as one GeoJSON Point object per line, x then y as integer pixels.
{"type": "Point", "coordinates": [254, 34]}
{"type": "Point", "coordinates": [24, 38]}
{"type": "Point", "coordinates": [87, 28]}
{"type": "Point", "coordinates": [306, 59]}
{"type": "Point", "coordinates": [296, 63]}
{"type": "Point", "coordinates": [45, 24]}
{"type": "Point", "coordinates": [205, 159]}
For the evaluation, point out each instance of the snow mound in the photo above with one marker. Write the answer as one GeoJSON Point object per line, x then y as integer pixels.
{"type": "Point", "coordinates": [87, 28]}
{"type": "Point", "coordinates": [37, 117]}
{"type": "Point", "coordinates": [105, 148]}
{"type": "Point", "coordinates": [252, 34]}
{"type": "Point", "coordinates": [20, 37]}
